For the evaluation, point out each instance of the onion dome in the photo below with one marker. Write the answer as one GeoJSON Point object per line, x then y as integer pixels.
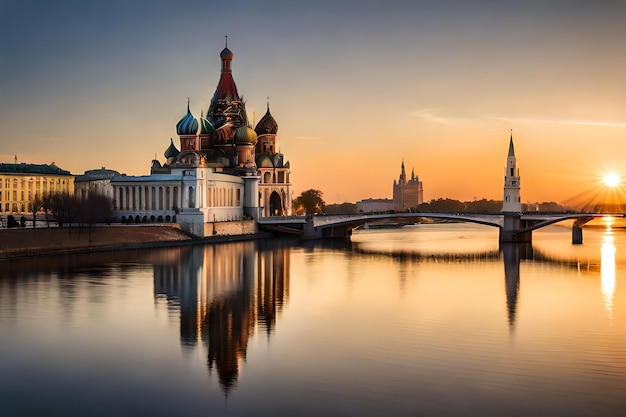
{"type": "Point", "coordinates": [206, 127]}
{"type": "Point", "coordinates": [226, 54]}
{"type": "Point", "coordinates": [171, 151]}
{"type": "Point", "coordinates": [267, 124]}
{"type": "Point", "coordinates": [188, 125]}
{"type": "Point", "coordinates": [244, 134]}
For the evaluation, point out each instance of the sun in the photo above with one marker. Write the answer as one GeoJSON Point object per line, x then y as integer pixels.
{"type": "Point", "coordinates": [612, 180]}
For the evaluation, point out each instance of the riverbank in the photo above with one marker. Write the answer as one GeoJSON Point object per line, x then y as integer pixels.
{"type": "Point", "coordinates": [20, 243]}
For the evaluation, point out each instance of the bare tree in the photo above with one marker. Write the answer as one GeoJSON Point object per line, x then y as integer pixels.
{"type": "Point", "coordinates": [36, 206]}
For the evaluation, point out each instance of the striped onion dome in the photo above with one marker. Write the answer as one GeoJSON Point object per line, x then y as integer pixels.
{"type": "Point", "coordinates": [188, 125]}
{"type": "Point", "coordinates": [206, 127]}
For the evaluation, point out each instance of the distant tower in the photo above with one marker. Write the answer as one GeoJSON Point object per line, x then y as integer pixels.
{"type": "Point", "coordinates": [407, 195]}
{"type": "Point", "coordinates": [512, 201]}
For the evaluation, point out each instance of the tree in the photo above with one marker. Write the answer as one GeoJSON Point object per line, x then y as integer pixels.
{"type": "Point", "coordinates": [36, 207]}
{"type": "Point", "coordinates": [442, 205]}
{"type": "Point", "coordinates": [343, 208]}
{"type": "Point", "coordinates": [94, 209]}
{"type": "Point", "coordinates": [62, 206]}
{"type": "Point", "coordinates": [309, 202]}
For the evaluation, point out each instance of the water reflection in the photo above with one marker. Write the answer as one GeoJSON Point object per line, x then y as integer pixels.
{"type": "Point", "coordinates": [607, 270]}
{"type": "Point", "coordinates": [417, 331]}
{"type": "Point", "coordinates": [222, 293]}
{"type": "Point", "coordinates": [422, 245]}
{"type": "Point", "coordinates": [511, 255]}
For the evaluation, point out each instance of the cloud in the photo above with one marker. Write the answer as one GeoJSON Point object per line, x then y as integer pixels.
{"type": "Point", "coordinates": [431, 116]}
{"type": "Point", "coordinates": [434, 115]}
{"type": "Point", "coordinates": [556, 121]}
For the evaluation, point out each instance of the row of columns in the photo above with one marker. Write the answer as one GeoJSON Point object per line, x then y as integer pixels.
{"type": "Point", "coordinates": [150, 197]}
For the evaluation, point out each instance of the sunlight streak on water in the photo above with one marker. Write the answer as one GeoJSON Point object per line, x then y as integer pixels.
{"type": "Point", "coordinates": [607, 270]}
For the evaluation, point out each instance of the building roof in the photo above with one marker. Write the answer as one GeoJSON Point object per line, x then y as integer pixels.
{"type": "Point", "coordinates": [205, 126]}
{"type": "Point", "coordinates": [511, 148]}
{"type": "Point", "coordinates": [244, 134]}
{"type": "Point", "coordinates": [267, 124]}
{"type": "Point", "coordinates": [23, 168]}
{"type": "Point", "coordinates": [171, 151]}
{"type": "Point", "coordinates": [97, 174]}
{"type": "Point", "coordinates": [187, 125]}
{"type": "Point", "coordinates": [226, 54]}
{"type": "Point", "coordinates": [226, 87]}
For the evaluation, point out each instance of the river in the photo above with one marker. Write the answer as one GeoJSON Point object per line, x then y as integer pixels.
{"type": "Point", "coordinates": [433, 319]}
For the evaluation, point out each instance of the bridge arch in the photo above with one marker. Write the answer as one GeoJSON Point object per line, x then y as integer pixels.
{"type": "Point", "coordinates": [339, 226]}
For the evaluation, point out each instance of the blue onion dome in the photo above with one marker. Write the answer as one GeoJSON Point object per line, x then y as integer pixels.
{"type": "Point", "coordinates": [244, 134]}
{"type": "Point", "coordinates": [206, 127]}
{"type": "Point", "coordinates": [188, 125]}
{"type": "Point", "coordinates": [171, 151]}
{"type": "Point", "coordinates": [267, 124]}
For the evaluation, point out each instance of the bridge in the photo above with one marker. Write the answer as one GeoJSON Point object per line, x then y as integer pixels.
{"type": "Point", "coordinates": [513, 227]}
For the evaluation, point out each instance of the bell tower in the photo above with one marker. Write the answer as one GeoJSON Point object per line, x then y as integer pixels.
{"type": "Point", "coordinates": [512, 202]}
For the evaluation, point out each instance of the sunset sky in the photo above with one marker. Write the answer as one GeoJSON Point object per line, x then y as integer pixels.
{"type": "Point", "coordinates": [355, 86]}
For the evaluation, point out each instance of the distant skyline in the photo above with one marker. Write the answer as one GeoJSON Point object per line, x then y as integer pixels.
{"type": "Point", "coordinates": [355, 86]}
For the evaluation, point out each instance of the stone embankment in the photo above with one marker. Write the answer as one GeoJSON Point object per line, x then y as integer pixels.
{"type": "Point", "coordinates": [18, 243]}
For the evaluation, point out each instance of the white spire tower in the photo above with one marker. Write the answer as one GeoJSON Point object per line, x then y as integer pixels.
{"type": "Point", "coordinates": [512, 202]}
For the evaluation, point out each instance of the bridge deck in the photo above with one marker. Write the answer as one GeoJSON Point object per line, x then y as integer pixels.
{"type": "Point", "coordinates": [318, 223]}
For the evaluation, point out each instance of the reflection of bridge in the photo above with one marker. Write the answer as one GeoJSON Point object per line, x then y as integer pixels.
{"type": "Point", "coordinates": [513, 227]}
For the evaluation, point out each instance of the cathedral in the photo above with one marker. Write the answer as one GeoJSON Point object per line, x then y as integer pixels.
{"type": "Point", "coordinates": [222, 170]}
{"type": "Point", "coordinates": [407, 195]}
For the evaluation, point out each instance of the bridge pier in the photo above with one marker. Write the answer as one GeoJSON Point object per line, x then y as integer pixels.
{"type": "Point", "coordinates": [511, 232]}
{"type": "Point", "coordinates": [514, 236]}
{"type": "Point", "coordinates": [310, 231]}
{"type": "Point", "coordinates": [577, 235]}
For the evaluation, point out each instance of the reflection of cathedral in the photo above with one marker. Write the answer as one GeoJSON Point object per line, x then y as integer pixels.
{"type": "Point", "coordinates": [224, 170]}
{"type": "Point", "coordinates": [223, 292]}
{"type": "Point", "coordinates": [407, 194]}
